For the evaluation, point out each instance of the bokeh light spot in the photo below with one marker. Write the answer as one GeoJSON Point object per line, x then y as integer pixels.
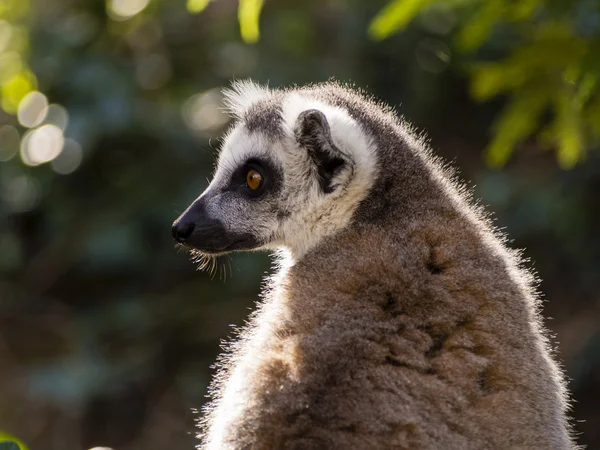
{"type": "Point", "coordinates": [433, 55]}
{"type": "Point", "coordinates": [125, 9]}
{"type": "Point", "coordinates": [9, 142]}
{"type": "Point", "coordinates": [69, 159]}
{"type": "Point", "coordinates": [21, 193]}
{"type": "Point", "coordinates": [19, 38]}
{"type": "Point", "coordinates": [438, 18]}
{"type": "Point", "coordinates": [42, 145]}
{"type": "Point", "coordinates": [5, 34]}
{"type": "Point", "coordinates": [15, 89]}
{"type": "Point", "coordinates": [78, 28]}
{"type": "Point", "coordinates": [32, 109]}
{"type": "Point", "coordinates": [202, 112]}
{"type": "Point", "coordinates": [58, 116]}
{"type": "Point", "coordinates": [10, 66]}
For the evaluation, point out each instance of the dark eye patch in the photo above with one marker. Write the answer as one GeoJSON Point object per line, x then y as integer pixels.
{"type": "Point", "coordinates": [270, 182]}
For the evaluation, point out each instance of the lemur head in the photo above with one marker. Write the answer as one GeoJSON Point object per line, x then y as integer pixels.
{"type": "Point", "coordinates": [291, 171]}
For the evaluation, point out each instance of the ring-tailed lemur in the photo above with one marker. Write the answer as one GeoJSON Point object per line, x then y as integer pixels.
{"type": "Point", "coordinates": [397, 318]}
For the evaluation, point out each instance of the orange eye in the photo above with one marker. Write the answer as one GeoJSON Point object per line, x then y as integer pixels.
{"type": "Point", "coordinates": [253, 179]}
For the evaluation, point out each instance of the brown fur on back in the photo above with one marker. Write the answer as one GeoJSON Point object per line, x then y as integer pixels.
{"type": "Point", "coordinates": [414, 328]}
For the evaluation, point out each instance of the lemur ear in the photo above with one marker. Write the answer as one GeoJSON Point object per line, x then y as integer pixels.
{"type": "Point", "coordinates": [313, 133]}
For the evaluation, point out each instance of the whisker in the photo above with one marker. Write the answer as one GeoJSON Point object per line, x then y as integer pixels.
{"type": "Point", "coordinates": [213, 267]}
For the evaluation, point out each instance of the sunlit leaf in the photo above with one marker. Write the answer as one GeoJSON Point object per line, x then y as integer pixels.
{"type": "Point", "coordinates": [481, 24]}
{"type": "Point", "coordinates": [15, 89]}
{"type": "Point", "coordinates": [11, 65]}
{"type": "Point", "coordinates": [517, 121]}
{"type": "Point", "coordinates": [569, 150]}
{"type": "Point", "coordinates": [487, 81]}
{"type": "Point", "coordinates": [249, 15]}
{"type": "Point", "coordinates": [522, 9]}
{"type": "Point", "coordinates": [587, 87]}
{"type": "Point", "coordinates": [553, 44]}
{"type": "Point", "coordinates": [491, 79]}
{"type": "Point", "coordinates": [568, 130]}
{"type": "Point", "coordinates": [13, 9]}
{"type": "Point", "coordinates": [394, 17]}
{"type": "Point", "coordinates": [197, 6]}
{"type": "Point", "coordinates": [19, 40]}
{"type": "Point", "coordinates": [534, 64]}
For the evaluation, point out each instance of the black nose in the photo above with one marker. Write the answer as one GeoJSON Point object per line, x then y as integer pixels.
{"type": "Point", "coordinates": [182, 230]}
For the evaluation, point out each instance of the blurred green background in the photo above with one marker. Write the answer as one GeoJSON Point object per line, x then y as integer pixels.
{"type": "Point", "coordinates": [109, 122]}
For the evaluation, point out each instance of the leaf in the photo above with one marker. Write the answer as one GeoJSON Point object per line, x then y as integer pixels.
{"type": "Point", "coordinates": [197, 6]}
{"type": "Point", "coordinates": [15, 89]}
{"type": "Point", "coordinates": [480, 25]}
{"type": "Point", "coordinates": [11, 64]}
{"type": "Point", "coordinates": [516, 122]}
{"type": "Point", "coordinates": [394, 17]}
{"type": "Point", "coordinates": [491, 79]}
{"type": "Point", "coordinates": [487, 81]}
{"type": "Point", "coordinates": [522, 9]}
{"type": "Point", "coordinates": [550, 51]}
{"type": "Point", "coordinates": [14, 9]}
{"type": "Point", "coordinates": [587, 87]}
{"type": "Point", "coordinates": [568, 130]}
{"type": "Point", "coordinates": [248, 16]}
{"type": "Point", "coordinates": [570, 148]}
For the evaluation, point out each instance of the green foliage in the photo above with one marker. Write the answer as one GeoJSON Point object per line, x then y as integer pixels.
{"type": "Point", "coordinates": [546, 68]}
{"type": "Point", "coordinates": [477, 28]}
{"type": "Point", "coordinates": [16, 79]}
{"type": "Point", "coordinates": [516, 122]}
{"type": "Point", "coordinates": [248, 16]}
{"type": "Point", "coordinates": [395, 16]}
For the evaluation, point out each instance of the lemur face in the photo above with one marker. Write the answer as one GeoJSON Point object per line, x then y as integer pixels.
{"type": "Point", "coordinates": [240, 208]}
{"type": "Point", "coordinates": [287, 188]}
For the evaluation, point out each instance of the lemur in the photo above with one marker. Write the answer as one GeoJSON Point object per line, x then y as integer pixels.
{"type": "Point", "coordinates": [397, 318]}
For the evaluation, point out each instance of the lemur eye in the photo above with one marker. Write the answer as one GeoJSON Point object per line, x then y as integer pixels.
{"type": "Point", "coordinates": [253, 179]}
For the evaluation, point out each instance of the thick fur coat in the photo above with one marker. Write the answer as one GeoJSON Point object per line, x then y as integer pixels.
{"type": "Point", "coordinates": [412, 326]}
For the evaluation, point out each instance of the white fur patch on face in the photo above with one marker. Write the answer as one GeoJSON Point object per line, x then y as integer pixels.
{"type": "Point", "coordinates": [242, 95]}
{"type": "Point", "coordinates": [238, 146]}
{"type": "Point", "coordinates": [346, 133]}
{"type": "Point", "coordinates": [323, 214]}
{"type": "Point", "coordinates": [241, 145]}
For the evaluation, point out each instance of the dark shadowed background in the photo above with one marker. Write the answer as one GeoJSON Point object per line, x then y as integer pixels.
{"type": "Point", "coordinates": [109, 123]}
